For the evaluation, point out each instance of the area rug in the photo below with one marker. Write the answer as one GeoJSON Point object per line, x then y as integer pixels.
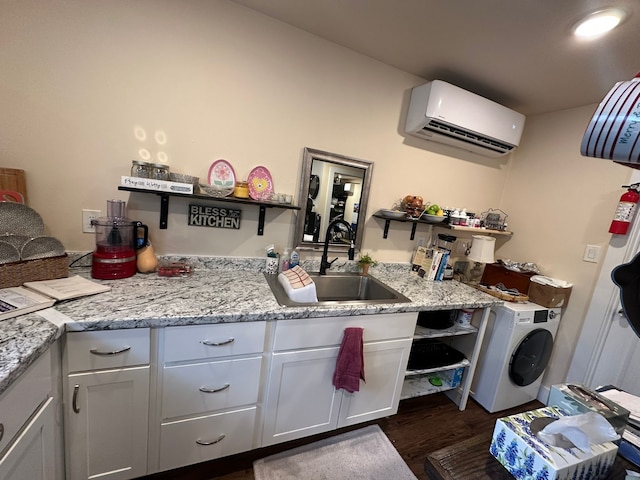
{"type": "Point", "coordinates": [364, 454]}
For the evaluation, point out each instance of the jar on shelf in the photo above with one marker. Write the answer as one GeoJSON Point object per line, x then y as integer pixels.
{"type": "Point", "coordinates": [140, 169]}
{"type": "Point", "coordinates": [159, 171]}
{"type": "Point", "coordinates": [241, 190]}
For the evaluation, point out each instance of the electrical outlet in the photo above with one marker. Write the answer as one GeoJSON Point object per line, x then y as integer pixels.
{"type": "Point", "coordinates": [87, 216]}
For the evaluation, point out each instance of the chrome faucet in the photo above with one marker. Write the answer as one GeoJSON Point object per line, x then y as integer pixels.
{"type": "Point", "coordinates": [324, 261]}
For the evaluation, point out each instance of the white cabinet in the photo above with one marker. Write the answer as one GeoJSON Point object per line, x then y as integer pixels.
{"type": "Point", "coordinates": [106, 407]}
{"type": "Point", "coordinates": [29, 433]}
{"type": "Point", "coordinates": [209, 385]}
{"type": "Point", "coordinates": [301, 399]}
{"type": "Point", "coordinates": [32, 455]}
{"type": "Point", "coordinates": [467, 340]}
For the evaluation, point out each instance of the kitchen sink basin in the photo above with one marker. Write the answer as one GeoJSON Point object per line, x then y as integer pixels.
{"type": "Point", "coordinates": [341, 289]}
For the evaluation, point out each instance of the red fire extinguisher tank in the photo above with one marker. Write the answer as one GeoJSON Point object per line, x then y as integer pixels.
{"type": "Point", "coordinates": [625, 210]}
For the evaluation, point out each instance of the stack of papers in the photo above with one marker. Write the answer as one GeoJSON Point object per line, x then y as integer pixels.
{"type": "Point", "coordinates": [34, 296]}
{"type": "Point", "coordinates": [630, 444]}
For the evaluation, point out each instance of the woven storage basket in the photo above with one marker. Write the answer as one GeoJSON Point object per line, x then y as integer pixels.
{"type": "Point", "coordinates": [16, 273]}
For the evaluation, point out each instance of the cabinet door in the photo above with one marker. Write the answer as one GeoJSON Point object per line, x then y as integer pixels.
{"type": "Point", "coordinates": [32, 455]}
{"type": "Point", "coordinates": [385, 364]}
{"type": "Point", "coordinates": [301, 400]}
{"type": "Point", "coordinates": [106, 420]}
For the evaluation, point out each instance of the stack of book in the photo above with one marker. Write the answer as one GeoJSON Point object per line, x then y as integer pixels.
{"type": "Point", "coordinates": [629, 446]}
{"type": "Point", "coordinates": [430, 262]}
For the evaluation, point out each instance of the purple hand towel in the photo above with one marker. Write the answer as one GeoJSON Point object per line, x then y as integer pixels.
{"type": "Point", "coordinates": [350, 363]}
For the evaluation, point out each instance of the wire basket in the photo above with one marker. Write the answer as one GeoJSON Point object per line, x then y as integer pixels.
{"type": "Point", "coordinates": [494, 219]}
{"type": "Point", "coordinates": [15, 274]}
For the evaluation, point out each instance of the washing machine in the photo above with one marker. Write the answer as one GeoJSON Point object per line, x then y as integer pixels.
{"type": "Point", "coordinates": [515, 351]}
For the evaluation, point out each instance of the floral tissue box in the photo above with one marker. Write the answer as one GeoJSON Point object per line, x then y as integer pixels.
{"type": "Point", "coordinates": [527, 457]}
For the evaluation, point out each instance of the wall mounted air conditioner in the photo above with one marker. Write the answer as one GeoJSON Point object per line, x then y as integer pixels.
{"type": "Point", "coordinates": [444, 113]}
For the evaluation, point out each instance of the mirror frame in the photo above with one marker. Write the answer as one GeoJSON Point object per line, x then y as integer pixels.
{"type": "Point", "coordinates": [309, 156]}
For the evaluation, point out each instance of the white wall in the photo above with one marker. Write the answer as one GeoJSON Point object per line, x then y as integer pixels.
{"type": "Point", "coordinates": [221, 81]}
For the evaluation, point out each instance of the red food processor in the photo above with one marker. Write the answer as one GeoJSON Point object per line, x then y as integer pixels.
{"type": "Point", "coordinates": [116, 243]}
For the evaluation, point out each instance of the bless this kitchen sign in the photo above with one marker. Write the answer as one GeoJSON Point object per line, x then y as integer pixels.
{"type": "Point", "coordinates": [204, 216]}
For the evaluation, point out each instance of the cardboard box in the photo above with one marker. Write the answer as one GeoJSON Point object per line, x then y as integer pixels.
{"type": "Point", "coordinates": [527, 457]}
{"type": "Point", "coordinates": [495, 273]}
{"type": "Point", "coordinates": [576, 400]}
{"type": "Point", "coordinates": [547, 295]}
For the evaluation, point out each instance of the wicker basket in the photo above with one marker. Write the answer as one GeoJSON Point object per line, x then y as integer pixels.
{"type": "Point", "coordinates": [16, 273]}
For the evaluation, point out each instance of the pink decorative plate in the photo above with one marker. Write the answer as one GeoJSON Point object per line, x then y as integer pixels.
{"type": "Point", "coordinates": [222, 175]}
{"type": "Point", "coordinates": [260, 183]}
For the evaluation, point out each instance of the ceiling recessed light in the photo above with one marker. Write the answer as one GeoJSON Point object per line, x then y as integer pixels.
{"type": "Point", "coordinates": [599, 22]}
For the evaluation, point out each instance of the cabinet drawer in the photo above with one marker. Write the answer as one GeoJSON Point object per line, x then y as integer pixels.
{"type": "Point", "coordinates": [205, 387]}
{"type": "Point", "coordinates": [23, 397]}
{"type": "Point", "coordinates": [107, 349]}
{"type": "Point", "coordinates": [209, 341]}
{"type": "Point", "coordinates": [318, 332]}
{"type": "Point", "coordinates": [204, 438]}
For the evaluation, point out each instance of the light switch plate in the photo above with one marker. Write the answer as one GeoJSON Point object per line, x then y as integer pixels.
{"type": "Point", "coordinates": [592, 253]}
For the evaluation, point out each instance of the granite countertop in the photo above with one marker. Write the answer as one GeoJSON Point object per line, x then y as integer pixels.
{"type": "Point", "coordinates": [234, 291]}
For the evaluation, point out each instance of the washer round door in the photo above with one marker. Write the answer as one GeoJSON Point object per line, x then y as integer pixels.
{"type": "Point", "coordinates": [531, 357]}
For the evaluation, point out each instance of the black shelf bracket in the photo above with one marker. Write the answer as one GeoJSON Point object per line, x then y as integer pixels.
{"type": "Point", "coordinates": [164, 211]}
{"type": "Point", "coordinates": [263, 210]}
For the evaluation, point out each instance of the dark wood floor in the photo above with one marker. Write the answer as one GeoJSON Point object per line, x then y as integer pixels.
{"type": "Point", "coordinates": [422, 425]}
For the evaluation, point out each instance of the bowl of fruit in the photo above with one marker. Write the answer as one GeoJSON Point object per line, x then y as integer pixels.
{"type": "Point", "coordinates": [433, 214]}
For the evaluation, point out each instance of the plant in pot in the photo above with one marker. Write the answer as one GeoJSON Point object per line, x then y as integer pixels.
{"type": "Point", "coordinates": [364, 262]}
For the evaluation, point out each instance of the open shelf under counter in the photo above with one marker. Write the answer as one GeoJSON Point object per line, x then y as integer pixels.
{"type": "Point", "coordinates": [456, 329]}
{"type": "Point", "coordinates": [425, 371]}
{"type": "Point", "coordinates": [416, 382]}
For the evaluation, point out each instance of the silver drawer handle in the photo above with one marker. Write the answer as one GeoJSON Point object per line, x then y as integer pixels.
{"type": "Point", "coordinates": [74, 403]}
{"type": "Point", "coordinates": [219, 344]}
{"type": "Point", "coordinates": [214, 390]}
{"type": "Point", "coordinates": [95, 351]}
{"type": "Point", "coordinates": [211, 442]}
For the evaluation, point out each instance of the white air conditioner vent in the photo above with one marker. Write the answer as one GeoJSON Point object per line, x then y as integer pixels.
{"type": "Point", "coordinates": [443, 113]}
{"type": "Point", "coordinates": [470, 137]}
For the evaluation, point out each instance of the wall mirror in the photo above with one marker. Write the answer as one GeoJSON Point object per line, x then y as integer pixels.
{"type": "Point", "coordinates": [331, 187]}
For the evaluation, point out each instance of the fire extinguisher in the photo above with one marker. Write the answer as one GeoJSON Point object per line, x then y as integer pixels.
{"type": "Point", "coordinates": [625, 210]}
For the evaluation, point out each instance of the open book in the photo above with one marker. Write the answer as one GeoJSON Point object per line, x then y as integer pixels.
{"type": "Point", "coordinates": [33, 296]}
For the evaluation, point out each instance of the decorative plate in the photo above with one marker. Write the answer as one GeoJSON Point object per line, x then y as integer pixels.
{"type": "Point", "coordinates": [8, 253]}
{"type": "Point", "coordinates": [222, 175]}
{"type": "Point", "coordinates": [16, 240]}
{"type": "Point", "coordinates": [392, 213]}
{"type": "Point", "coordinates": [42, 247]}
{"type": "Point", "coordinates": [19, 219]}
{"type": "Point", "coordinates": [260, 183]}
{"type": "Point", "coordinates": [215, 191]}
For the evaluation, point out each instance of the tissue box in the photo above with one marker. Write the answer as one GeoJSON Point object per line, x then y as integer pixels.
{"type": "Point", "coordinates": [547, 295]}
{"type": "Point", "coordinates": [576, 399]}
{"type": "Point", "coordinates": [453, 377]}
{"type": "Point", "coordinates": [526, 457]}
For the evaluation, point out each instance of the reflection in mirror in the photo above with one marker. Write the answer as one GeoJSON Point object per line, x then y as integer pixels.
{"type": "Point", "coordinates": [331, 187]}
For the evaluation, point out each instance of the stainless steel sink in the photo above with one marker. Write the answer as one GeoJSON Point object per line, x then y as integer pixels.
{"type": "Point", "coordinates": [341, 289]}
